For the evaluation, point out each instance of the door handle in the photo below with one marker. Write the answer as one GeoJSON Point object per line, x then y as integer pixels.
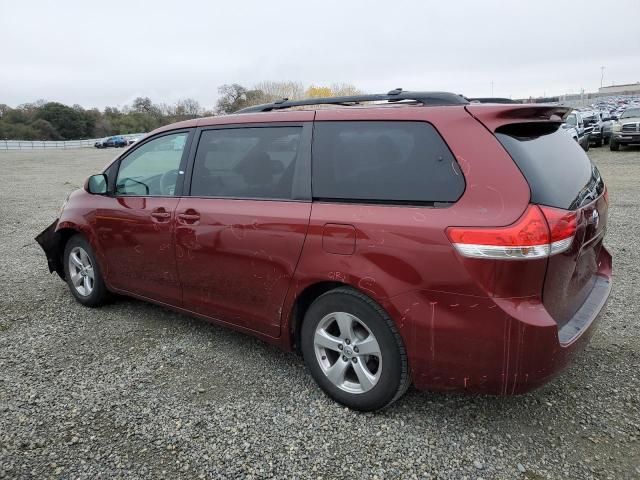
{"type": "Point", "coordinates": [160, 214]}
{"type": "Point", "coordinates": [189, 217]}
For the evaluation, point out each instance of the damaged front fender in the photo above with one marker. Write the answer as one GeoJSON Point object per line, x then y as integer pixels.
{"type": "Point", "coordinates": [50, 241]}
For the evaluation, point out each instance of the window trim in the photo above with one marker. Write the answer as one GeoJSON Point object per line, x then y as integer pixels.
{"type": "Point", "coordinates": [183, 162]}
{"type": "Point", "coordinates": [390, 203]}
{"type": "Point", "coordinates": [301, 188]}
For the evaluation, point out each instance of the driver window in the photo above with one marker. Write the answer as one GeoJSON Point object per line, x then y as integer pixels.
{"type": "Point", "coordinates": [152, 169]}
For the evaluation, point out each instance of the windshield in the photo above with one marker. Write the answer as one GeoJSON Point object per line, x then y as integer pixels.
{"type": "Point", "coordinates": [630, 112]}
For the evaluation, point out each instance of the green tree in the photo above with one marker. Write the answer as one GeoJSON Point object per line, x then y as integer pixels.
{"type": "Point", "coordinates": [43, 130]}
{"type": "Point", "coordinates": [68, 122]}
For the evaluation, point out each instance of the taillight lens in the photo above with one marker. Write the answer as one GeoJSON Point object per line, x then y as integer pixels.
{"type": "Point", "coordinates": [539, 232]}
{"type": "Point", "coordinates": [562, 228]}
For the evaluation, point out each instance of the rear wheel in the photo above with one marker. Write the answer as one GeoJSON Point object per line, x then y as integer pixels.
{"type": "Point", "coordinates": [354, 351]}
{"type": "Point", "coordinates": [613, 145]}
{"type": "Point", "coordinates": [83, 274]}
{"type": "Point", "coordinates": [599, 142]}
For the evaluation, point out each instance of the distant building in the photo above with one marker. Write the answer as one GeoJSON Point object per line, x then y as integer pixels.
{"type": "Point", "coordinates": [628, 89]}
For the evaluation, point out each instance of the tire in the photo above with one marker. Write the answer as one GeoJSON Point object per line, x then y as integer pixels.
{"type": "Point", "coordinates": [613, 145]}
{"type": "Point", "coordinates": [599, 142]}
{"type": "Point", "coordinates": [364, 382]}
{"type": "Point", "coordinates": [82, 273]}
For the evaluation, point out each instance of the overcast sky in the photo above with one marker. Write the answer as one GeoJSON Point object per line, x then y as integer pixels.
{"type": "Point", "coordinates": [109, 52]}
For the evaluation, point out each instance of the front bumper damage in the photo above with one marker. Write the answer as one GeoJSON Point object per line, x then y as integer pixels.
{"type": "Point", "coordinates": [49, 240]}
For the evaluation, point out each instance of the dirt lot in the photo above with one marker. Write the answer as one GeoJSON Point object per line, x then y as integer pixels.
{"type": "Point", "coordinates": [133, 390]}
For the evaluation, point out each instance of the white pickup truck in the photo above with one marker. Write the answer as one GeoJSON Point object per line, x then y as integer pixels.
{"type": "Point", "coordinates": [578, 128]}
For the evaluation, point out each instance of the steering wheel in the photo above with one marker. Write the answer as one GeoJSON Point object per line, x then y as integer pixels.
{"type": "Point", "coordinates": [168, 182]}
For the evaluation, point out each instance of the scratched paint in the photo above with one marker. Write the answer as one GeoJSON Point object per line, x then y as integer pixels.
{"type": "Point", "coordinates": [367, 284]}
{"type": "Point", "coordinates": [432, 329]}
{"type": "Point", "coordinates": [338, 276]}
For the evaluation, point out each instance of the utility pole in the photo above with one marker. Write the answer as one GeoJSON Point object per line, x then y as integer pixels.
{"type": "Point", "coordinates": [601, 75]}
{"type": "Point", "coordinates": [492, 88]}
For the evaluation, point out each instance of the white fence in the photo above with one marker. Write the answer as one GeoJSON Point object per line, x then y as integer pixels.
{"type": "Point", "coordinates": [54, 145]}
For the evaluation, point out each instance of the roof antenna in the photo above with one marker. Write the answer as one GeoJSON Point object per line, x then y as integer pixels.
{"type": "Point", "coordinates": [397, 91]}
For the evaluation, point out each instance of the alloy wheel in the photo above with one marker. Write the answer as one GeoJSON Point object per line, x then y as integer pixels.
{"type": "Point", "coordinates": [81, 271]}
{"type": "Point", "coordinates": [348, 353]}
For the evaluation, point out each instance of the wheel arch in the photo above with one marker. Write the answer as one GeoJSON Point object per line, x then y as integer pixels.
{"type": "Point", "coordinates": [306, 297]}
{"type": "Point", "coordinates": [53, 241]}
{"type": "Point", "coordinates": [301, 304]}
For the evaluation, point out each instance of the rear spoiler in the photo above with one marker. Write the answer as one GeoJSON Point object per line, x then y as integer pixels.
{"type": "Point", "coordinates": [496, 116]}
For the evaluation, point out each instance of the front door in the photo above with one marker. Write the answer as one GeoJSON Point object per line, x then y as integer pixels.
{"type": "Point", "coordinates": [136, 223]}
{"type": "Point", "coordinates": [240, 233]}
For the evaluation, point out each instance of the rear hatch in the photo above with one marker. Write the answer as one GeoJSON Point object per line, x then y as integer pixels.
{"type": "Point", "coordinates": [561, 176]}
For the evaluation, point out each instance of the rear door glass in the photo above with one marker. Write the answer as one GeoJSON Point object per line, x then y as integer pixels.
{"type": "Point", "coordinates": [559, 172]}
{"type": "Point", "coordinates": [246, 162]}
{"type": "Point", "coordinates": [383, 162]}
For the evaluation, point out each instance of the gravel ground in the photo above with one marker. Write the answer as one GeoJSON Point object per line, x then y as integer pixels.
{"type": "Point", "coordinates": [133, 390]}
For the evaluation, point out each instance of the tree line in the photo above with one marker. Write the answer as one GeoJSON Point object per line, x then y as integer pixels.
{"type": "Point", "coordinates": [44, 120]}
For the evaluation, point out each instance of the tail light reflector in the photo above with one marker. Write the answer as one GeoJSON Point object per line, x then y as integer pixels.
{"type": "Point", "coordinates": [538, 233]}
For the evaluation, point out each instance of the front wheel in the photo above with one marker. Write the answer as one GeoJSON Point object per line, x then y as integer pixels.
{"type": "Point", "coordinates": [353, 350]}
{"type": "Point", "coordinates": [83, 274]}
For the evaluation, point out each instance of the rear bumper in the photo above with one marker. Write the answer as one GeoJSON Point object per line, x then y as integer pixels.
{"type": "Point", "coordinates": [490, 345]}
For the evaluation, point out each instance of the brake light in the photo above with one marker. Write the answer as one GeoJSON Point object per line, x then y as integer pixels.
{"type": "Point", "coordinates": [606, 194]}
{"type": "Point", "coordinates": [562, 228]}
{"type": "Point", "coordinates": [538, 233]}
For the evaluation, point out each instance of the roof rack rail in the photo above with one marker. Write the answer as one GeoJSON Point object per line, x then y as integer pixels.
{"type": "Point", "coordinates": [396, 95]}
{"type": "Point", "coordinates": [492, 100]}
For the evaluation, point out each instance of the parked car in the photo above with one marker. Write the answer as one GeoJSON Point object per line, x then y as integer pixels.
{"type": "Point", "coordinates": [626, 130]}
{"type": "Point", "coordinates": [116, 141]}
{"type": "Point", "coordinates": [600, 127]}
{"type": "Point", "coordinates": [131, 141]}
{"type": "Point", "coordinates": [607, 127]}
{"type": "Point", "coordinates": [423, 240]}
{"type": "Point", "coordinates": [575, 121]}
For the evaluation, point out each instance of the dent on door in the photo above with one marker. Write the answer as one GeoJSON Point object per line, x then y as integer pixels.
{"type": "Point", "coordinates": [136, 236]}
{"type": "Point", "coordinates": [236, 258]}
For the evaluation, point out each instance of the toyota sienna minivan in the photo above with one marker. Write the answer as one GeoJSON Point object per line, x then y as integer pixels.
{"type": "Point", "coordinates": [394, 239]}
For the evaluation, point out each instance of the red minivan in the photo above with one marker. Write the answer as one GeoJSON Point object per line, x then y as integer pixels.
{"type": "Point", "coordinates": [400, 238]}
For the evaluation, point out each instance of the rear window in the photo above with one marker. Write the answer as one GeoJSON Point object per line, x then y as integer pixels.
{"type": "Point", "coordinates": [383, 162]}
{"type": "Point", "coordinates": [559, 172]}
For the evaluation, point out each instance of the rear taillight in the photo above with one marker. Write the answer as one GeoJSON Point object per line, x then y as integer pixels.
{"type": "Point", "coordinates": [539, 232]}
{"type": "Point", "coordinates": [562, 228]}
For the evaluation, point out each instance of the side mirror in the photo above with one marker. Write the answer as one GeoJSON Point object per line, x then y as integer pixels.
{"type": "Point", "coordinates": [96, 184]}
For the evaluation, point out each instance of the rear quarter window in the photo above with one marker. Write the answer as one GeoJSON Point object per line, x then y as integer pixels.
{"type": "Point", "coordinates": [559, 172]}
{"type": "Point", "coordinates": [383, 162]}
